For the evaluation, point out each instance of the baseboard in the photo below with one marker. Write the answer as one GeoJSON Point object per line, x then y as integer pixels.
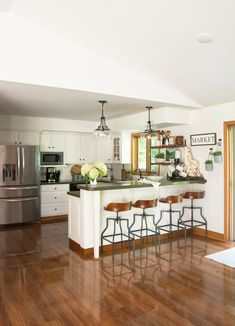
{"type": "Point", "coordinates": [118, 247]}
{"type": "Point", "coordinates": [54, 219]}
{"type": "Point", "coordinates": [211, 234]}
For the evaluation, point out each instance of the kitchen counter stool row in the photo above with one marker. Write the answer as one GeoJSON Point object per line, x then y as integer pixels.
{"type": "Point", "coordinates": [149, 225]}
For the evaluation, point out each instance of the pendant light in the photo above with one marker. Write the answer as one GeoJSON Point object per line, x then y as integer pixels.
{"type": "Point", "coordinates": [148, 131]}
{"type": "Point", "coordinates": [102, 130]}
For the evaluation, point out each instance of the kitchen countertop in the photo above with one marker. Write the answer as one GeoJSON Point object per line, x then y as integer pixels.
{"type": "Point", "coordinates": [75, 193]}
{"type": "Point", "coordinates": [133, 184]}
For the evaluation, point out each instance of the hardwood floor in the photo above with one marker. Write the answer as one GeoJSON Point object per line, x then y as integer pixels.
{"type": "Point", "coordinates": [42, 282]}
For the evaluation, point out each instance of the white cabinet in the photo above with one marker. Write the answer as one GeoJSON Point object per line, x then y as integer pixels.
{"type": "Point", "coordinates": [104, 150]}
{"type": "Point", "coordinates": [52, 142]}
{"type": "Point", "coordinates": [10, 137]}
{"type": "Point", "coordinates": [117, 158]}
{"type": "Point", "coordinates": [80, 148]}
{"type": "Point", "coordinates": [54, 200]}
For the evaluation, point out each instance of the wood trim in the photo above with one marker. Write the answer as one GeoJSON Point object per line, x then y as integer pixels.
{"type": "Point", "coordinates": [228, 180]}
{"type": "Point", "coordinates": [118, 247]}
{"type": "Point", "coordinates": [54, 219]}
{"type": "Point", "coordinates": [211, 234]}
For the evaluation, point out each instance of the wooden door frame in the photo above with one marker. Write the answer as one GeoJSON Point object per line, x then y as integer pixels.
{"type": "Point", "coordinates": [228, 180]}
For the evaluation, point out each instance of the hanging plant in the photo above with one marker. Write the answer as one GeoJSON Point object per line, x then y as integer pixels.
{"type": "Point", "coordinates": [209, 165]}
{"type": "Point", "coordinates": [217, 156]}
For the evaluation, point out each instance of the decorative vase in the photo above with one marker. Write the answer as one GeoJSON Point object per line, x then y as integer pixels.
{"type": "Point", "coordinates": [93, 182]}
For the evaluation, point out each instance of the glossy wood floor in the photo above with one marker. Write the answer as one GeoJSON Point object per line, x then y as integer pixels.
{"type": "Point", "coordinates": [42, 282]}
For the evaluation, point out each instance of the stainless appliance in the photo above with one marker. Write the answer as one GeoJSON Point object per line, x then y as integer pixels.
{"type": "Point", "coordinates": [19, 184]}
{"type": "Point", "coordinates": [52, 158]}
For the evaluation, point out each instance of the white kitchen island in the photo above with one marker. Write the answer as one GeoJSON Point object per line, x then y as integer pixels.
{"type": "Point", "coordinates": [87, 218]}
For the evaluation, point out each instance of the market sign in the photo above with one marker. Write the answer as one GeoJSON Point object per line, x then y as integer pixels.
{"type": "Point", "coordinates": [203, 139]}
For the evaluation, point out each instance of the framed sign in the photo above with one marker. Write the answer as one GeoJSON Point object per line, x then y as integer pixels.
{"type": "Point", "coordinates": [203, 139]}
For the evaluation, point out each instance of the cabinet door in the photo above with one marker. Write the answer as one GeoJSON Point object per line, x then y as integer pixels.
{"type": "Point", "coordinates": [45, 142]}
{"type": "Point", "coordinates": [29, 138]}
{"type": "Point", "coordinates": [72, 153]}
{"type": "Point", "coordinates": [58, 142]}
{"type": "Point", "coordinates": [9, 137]}
{"type": "Point", "coordinates": [104, 150]}
{"type": "Point", "coordinates": [87, 148]}
{"type": "Point", "coordinates": [117, 149]}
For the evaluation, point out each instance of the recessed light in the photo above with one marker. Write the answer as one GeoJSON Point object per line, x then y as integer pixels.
{"type": "Point", "coordinates": [204, 38]}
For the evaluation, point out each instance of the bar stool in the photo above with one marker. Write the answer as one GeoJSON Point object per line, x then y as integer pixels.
{"type": "Point", "coordinates": [171, 200]}
{"type": "Point", "coordinates": [192, 223]}
{"type": "Point", "coordinates": [118, 220]}
{"type": "Point", "coordinates": [144, 230]}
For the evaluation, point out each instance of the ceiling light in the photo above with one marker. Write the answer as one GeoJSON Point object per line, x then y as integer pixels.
{"type": "Point", "coordinates": [148, 131]}
{"type": "Point", "coordinates": [102, 130]}
{"type": "Point", "coordinates": [204, 38]}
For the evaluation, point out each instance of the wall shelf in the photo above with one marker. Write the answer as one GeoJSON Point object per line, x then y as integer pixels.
{"type": "Point", "coordinates": [168, 146]}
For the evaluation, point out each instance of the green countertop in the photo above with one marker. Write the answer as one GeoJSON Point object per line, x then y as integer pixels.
{"type": "Point", "coordinates": [101, 186]}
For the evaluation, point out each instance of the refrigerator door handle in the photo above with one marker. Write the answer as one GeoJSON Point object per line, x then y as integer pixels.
{"type": "Point", "coordinates": [18, 164]}
{"type": "Point", "coordinates": [19, 199]}
{"type": "Point", "coordinates": [20, 188]}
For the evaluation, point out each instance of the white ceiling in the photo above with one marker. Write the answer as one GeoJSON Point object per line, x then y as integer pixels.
{"type": "Point", "coordinates": [152, 37]}
{"type": "Point", "coordinates": [52, 102]}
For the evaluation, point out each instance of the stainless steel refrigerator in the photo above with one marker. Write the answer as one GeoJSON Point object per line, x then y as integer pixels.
{"type": "Point", "coordinates": [19, 184]}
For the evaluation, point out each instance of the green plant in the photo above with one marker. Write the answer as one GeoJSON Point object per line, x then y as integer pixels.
{"type": "Point", "coordinates": [208, 162]}
{"type": "Point", "coordinates": [217, 153]}
{"type": "Point", "coordinates": [160, 155]}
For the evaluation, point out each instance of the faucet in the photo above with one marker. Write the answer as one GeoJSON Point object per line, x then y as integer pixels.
{"type": "Point", "coordinates": [140, 173]}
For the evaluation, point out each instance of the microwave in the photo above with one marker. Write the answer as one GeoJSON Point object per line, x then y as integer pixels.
{"type": "Point", "coordinates": [52, 158]}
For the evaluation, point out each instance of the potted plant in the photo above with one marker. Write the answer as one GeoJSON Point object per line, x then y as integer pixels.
{"type": "Point", "coordinates": [209, 165]}
{"type": "Point", "coordinates": [217, 156]}
{"type": "Point", "coordinates": [160, 157]}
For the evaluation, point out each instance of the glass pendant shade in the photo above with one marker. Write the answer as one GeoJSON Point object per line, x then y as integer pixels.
{"type": "Point", "coordinates": [102, 130]}
{"type": "Point", "coordinates": [148, 132]}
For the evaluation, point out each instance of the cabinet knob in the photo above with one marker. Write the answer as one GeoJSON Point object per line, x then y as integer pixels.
{"type": "Point", "coordinates": [55, 209]}
{"type": "Point", "coordinates": [15, 142]}
{"type": "Point", "coordinates": [55, 188]}
{"type": "Point", "coordinates": [53, 147]}
{"type": "Point", "coordinates": [55, 197]}
{"type": "Point", "coordinates": [20, 143]}
{"type": "Point", "coordinates": [49, 146]}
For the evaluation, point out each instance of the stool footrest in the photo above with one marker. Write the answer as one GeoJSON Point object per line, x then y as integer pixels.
{"type": "Point", "coordinates": [116, 235]}
{"type": "Point", "coordinates": [134, 232]}
{"type": "Point", "coordinates": [169, 226]}
{"type": "Point", "coordinates": [193, 223]}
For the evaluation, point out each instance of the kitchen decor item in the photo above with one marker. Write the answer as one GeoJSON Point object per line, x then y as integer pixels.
{"type": "Point", "coordinates": [218, 153]}
{"type": "Point", "coordinates": [75, 169]}
{"type": "Point", "coordinates": [179, 140]}
{"type": "Point", "coordinates": [93, 171]}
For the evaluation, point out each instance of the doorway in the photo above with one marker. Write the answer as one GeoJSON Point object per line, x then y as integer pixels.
{"type": "Point", "coordinates": [229, 181]}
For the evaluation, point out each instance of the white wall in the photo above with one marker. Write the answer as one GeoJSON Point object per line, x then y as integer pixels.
{"type": "Point", "coordinates": [39, 124]}
{"type": "Point", "coordinates": [205, 121]}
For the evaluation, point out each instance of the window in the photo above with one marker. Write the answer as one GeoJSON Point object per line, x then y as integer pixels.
{"type": "Point", "coordinates": [143, 155]}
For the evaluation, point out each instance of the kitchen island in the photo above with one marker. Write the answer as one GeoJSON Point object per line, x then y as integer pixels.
{"type": "Point", "coordinates": [87, 217]}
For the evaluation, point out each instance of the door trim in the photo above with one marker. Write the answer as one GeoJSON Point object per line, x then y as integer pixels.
{"type": "Point", "coordinates": [228, 180]}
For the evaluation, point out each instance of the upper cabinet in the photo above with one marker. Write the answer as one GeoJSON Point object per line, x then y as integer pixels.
{"type": "Point", "coordinates": [117, 158]}
{"type": "Point", "coordinates": [80, 148]}
{"type": "Point", "coordinates": [52, 142]}
{"type": "Point", "coordinates": [104, 150]}
{"type": "Point", "coordinates": [8, 137]}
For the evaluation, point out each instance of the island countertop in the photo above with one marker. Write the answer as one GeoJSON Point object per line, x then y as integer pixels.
{"type": "Point", "coordinates": [101, 186]}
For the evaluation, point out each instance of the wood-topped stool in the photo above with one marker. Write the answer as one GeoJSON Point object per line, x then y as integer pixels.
{"type": "Point", "coordinates": [118, 220]}
{"type": "Point", "coordinates": [171, 200]}
{"type": "Point", "coordinates": [192, 222]}
{"type": "Point", "coordinates": [144, 230]}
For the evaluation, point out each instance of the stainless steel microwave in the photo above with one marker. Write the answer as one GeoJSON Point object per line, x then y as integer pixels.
{"type": "Point", "coordinates": [52, 158]}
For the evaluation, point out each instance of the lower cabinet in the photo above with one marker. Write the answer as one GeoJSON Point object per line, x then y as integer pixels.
{"type": "Point", "coordinates": [54, 200]}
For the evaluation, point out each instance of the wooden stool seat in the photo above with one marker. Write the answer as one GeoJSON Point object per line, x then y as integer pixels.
{"type": "Point", "coordinates": [174, 199]}
{"type": "Point", "coordinates": [194, 195]}
{"type": "Point", "coordinates": [144, 204]}
{"type": "Point", "coordinates": [118, 207]}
